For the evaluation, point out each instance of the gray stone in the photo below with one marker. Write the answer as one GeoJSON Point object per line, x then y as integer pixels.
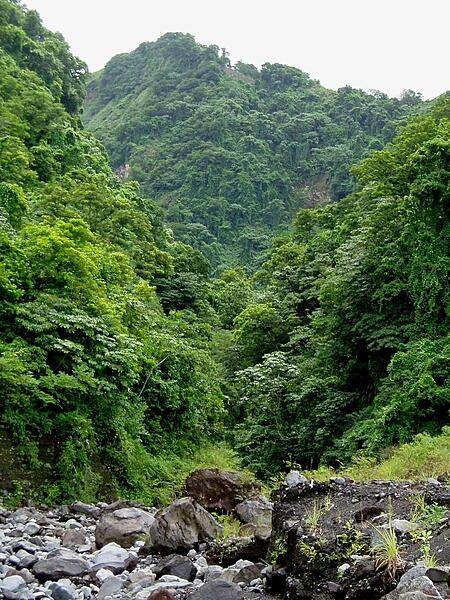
{"type": "Point", "coordinates": [60, 563]}
{"type": "Point", "coordinates": [32, 528]}
{"type": "Point", "coordinates": [26, 559]}
{"type": "Point", "coordinates": [419, 584]}
{"type": "Point", "coordinates": [85, 509]}
{"type": "Point", "coordinates": [15, 588]}
{"type": "Point", "coordinates": [338, 480]}
{"type": "Point", "coordinates": [124, 526]}
{"type": "Point", "coordinates": [182, 525]}
{"type": "Point", "coordinates": [413, 573]}
{"type": "Point", "coordinates": [402, 525]}
{"type": "Point", "coordinates": [73, 538]}
{"type": "Point", "coordinates": [63, 590]}
{"type": "Point", "coordinates": [111, 585]}
{"type": "Point", "coordinates": [113, 558]}
{"type": "Point", "coordinates": [257, 513]}
{"type": "Point", "coordinates": [218, 589]}
{"type": "Point", "coordinates": [213, 572]}
{"type": "Point", "coordinates": [294, 478]}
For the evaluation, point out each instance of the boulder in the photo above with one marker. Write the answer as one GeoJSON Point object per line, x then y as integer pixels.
{"type": "Point", "coordinates": [123, 526]}
{"type": "Point", "coordinates": [257, 513]}
{"type": "Point", "coordinates": [244, 571]}
{"type": "Point", "coordinates": [60, 563]}
{"type": "Point", "coordinates": [218, 589]}
{"type": "Point", "coordinates": [220, 490]}
{"type": "Point", "coordinates": [174, 564]}
{"type": "Point", "coordinates": [415, 589]}
{"type": "Point", "coordinates": [294, 478]}
{"type": "Point", "coordinates": [181, 526]}
{"type": "Point", "coordinates": [113, 558]}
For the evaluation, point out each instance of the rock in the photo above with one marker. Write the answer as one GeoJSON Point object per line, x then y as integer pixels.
{"type": "Point", "coordinates": [175, 583]}
{"type": "Point", "coordinates": [174, 564]}
{"type": "Point", "coordinates": [219, 490]}
{"type": "Point", "coordinates": [32, 528]}
{"type": "Point", "coordinates": [73, 538]}
{"type": "Point", "coordinates": [123, 526]}
{"type": "Point", "coordinates": [276, 578]}
{"type": "Point", "coordinates": [438, 574]}
{"type": "Point", "coordinates": [343, 568]}
{"type": "Point", "coordinates": [60, 563]}
{"type": "Point", "coordinates": [162, 595]}
{"type": "Point", "coordinates": [213, 572]}
{"type": "Point", "coordinates": [218, 589]}
{"type": "Point", "coordinates": [257, 513]}
{"type": "Point", "coordinates": [182, 525]}
{"type": "Point", "coordinates": [113, 558]}
{"type": "Point", "coordinates": [26, 575]}
{"type": "Point", "coordinates": [111, 585]}
{"type": "Point", "coordinates": [413, 573]}
{"type": "Point", "coordinates": [85, 509]}
{"type": "Point", "coordinates": [338, 480]}
{"type": "Point", "coordinates": [402, 526]}
{"type": "Point", "coordinates": [103, 574]}
{"type": "Point", "coordinates": [63, 590]}
{"type": "Point", "coordinates": [15, 588]}
{"type": "Point", "coordinates": [243, 571]}
{"type": "Point", "coordinates": [419, 584]}
{"type": "Point", "coordinates": [334, 588]}
{"type": "Point", "coordinates": [294, 478]}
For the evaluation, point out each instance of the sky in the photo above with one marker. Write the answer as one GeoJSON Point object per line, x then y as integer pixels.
{"type": "Point", "coordinates": [388, 45]}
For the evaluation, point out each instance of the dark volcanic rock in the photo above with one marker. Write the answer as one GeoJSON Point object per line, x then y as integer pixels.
{"type": "Point", "coordinates": [174, 564]}
{"type": "Point", "coordinates": [220, 490]}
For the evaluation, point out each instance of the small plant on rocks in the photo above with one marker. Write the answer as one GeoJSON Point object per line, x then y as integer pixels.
{"type": "Point", "coordinates": [387, 552]}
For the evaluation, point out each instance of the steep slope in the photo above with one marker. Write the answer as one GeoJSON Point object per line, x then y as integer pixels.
{"type": "Point", "coordinates": [97, 382]}
{"type": "Point", "coordinates": [231, 153]}
{"type": "Point", "coordinates": [347, 350]}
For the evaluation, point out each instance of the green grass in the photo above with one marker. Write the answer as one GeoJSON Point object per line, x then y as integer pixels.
{"type": "Point", "coordinates": [387, 553]}
{"type": "Point", "coordinates": [424, 457]}
{"type": "Point", "coordinates": [231, 526]}
{"type": "Point", "coordinates": [166, 473]}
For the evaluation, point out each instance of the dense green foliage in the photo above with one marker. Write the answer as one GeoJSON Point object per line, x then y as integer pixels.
{"type": "Point", "coordinates": [121, 359]}
{"type": "Point", "coordinates": [347, 349]}
{"type": "Point", "coordinates": [100, 378]}
{"type": "Point", "coordinates": [231, 153]}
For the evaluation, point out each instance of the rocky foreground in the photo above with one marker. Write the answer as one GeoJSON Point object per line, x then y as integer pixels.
{"type": "Point", "coordinates": [317, 541]}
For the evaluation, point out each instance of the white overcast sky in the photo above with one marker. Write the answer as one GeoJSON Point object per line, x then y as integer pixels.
{"type": "Point", "coordinates": [389, 45]}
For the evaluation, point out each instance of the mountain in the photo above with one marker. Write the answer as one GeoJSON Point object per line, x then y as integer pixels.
{"type": "Point", "coordinates": [230, 152]}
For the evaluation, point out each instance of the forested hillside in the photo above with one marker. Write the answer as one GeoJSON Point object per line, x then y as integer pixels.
{"type": "Point", "coordinates": [232, 153]}
{"type": "Point", "coordinates": [347, 350]}
{"type": "Point", "coordinates": [98, 384]}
